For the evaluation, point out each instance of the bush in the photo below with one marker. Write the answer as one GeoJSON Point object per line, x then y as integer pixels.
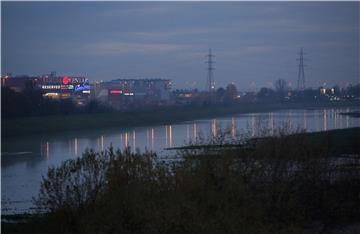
{"type": "Point", "coordinates": [75, 184]}
{"type": "Point", "coordinates": [279, 184]}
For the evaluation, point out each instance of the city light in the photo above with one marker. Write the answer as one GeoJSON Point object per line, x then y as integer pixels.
{"type": "Point", "coordinates": [66, 80]}
{"type": "Point", "coordinates": [51, 94]}
{"type": "Point", "coordinates": [116, 91]}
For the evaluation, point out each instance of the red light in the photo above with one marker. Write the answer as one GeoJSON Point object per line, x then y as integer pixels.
{"type": "Point", "coordinates": [66, 80]}
{"type": "Point", "coordinates": [116, 91]}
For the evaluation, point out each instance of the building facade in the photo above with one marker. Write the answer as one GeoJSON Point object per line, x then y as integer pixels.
{"type": "Point", "coordinates": [57, 87]}
{"type": "Point", "coordinates": [131, 93]}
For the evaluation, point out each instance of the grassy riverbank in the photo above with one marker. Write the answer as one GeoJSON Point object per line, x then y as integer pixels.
{"type": "Point", "coordinates": [298, 183]}
{"type": "Point", "coordinates": [355, 114]}
{"type": "Point", "coordinates": [339, 141]}
{"type": "Point", "coordinates": [57, 124]}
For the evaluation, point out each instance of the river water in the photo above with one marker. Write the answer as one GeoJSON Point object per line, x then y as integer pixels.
{"type": "Point", "coordinates": [24, 160]}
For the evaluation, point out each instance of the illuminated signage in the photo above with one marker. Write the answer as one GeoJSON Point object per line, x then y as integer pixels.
{"type": "Point", "coordinates": [129, 94]}
{"type": "Point", "coordinates": [57, 87]}
{"type": "Point", "coordinates": [116, 91]}
{"type": "Point", "coordinates": [82, 87]}
{"type": "Point", "coordinates": [63, 80]}
{"type": "Point", "coordinates": [51, 86]}
{"type": "Point", "coordinates": [67, 86]}
{"type": "Point", "coordinates": [86, 91]}
{"type": "Point", "coordinates": [77, 80]}
{"type": "Point", "coordinates": [66, 80]}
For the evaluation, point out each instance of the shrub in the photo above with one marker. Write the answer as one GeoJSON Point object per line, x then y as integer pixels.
{"type": "Point", "coordinates": [278, 184]}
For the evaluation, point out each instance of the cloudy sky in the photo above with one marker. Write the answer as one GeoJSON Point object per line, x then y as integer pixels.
{"type": "Point", "coordinates": [254, 43]}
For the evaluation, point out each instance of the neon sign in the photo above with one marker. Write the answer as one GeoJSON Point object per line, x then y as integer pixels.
{"type": "Point", "coordinates": [51, 87]}
{"type": "Point", "coordinates": [116, 91]}
{"type": "Point", "coordinates": [82, 87]}
{"type": "Point", "coordinates": [66, 80]}
{"type": "Point", "coordinates": [67, 86]}
{"type": "Point", "coordinates": [57, 87]}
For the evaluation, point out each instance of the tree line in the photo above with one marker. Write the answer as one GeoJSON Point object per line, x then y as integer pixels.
{"type": "Point", "coordinates": [30, 102]}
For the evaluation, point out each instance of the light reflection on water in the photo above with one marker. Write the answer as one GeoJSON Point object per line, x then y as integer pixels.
{"type": "Point", "coordinates": [26, 159]}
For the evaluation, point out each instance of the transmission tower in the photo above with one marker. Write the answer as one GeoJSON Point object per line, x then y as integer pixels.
{"type": "Point", "coordinates": [210, 84]}
{"type": "Point", "coordinates": [301, 74]}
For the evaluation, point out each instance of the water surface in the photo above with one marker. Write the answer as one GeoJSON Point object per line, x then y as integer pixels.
{"type": "Point", "coordinates": [26, 159]}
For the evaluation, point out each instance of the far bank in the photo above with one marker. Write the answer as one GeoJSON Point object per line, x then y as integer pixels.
{"type": "Point", "coordinates": [168, 115]}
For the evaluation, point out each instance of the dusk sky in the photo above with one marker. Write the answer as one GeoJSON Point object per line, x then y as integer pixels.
{"type": "Point", "coordinates": [254, 43]}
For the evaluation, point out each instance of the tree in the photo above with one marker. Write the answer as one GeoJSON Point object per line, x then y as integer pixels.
{"type": "Point", "coordinates": [230, 93]}
{"type": "Point", "coordinates": [281, 88]}
{"type": "Point", "coordinates": [266, 95]}
{"type": "Point", "coordinates": [220, 94]}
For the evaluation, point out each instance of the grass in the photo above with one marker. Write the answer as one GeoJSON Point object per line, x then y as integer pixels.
{"type": "Point", "coordinates": [58, 124]}
{"type": "Point", "coordinates": [355, 114]}
{"type": "Point", "coordinates": [339, 141]}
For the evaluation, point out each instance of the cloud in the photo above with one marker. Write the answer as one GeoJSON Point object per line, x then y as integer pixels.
{"type": "Point", "coordinates": [289, 26]}
{"type": "Point", "coordinates": [140, 10]}
{"type": "Point", "coordinates": [246, 26]}
{"type": "Point", "coordinates": [115, 48]}
{"type": "Point", "coordinates": [252, 50]}
{"type": "Point", "coordinates": [178, 32]}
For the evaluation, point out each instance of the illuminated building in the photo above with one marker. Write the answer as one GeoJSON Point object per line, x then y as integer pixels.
{"type": "Point", "coordinates": [327, 91]}
{"type": "Point", "coordinates": [128, 93]}
{"type": "Point", "coordinates": [63, 86]}
{"type": "Point", "coordinates": [52, 86]}
{"type": "Point", "coordinates": [184, 97]}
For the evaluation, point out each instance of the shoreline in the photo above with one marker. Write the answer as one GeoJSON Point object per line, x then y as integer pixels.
{"type": "Point", "coordinates": [354, 114]}
{"type": "Point", "coordinates": [68, 123]}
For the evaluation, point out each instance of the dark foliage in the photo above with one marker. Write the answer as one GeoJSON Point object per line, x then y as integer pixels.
{"type": "Point", "coordinates": [30, 102]}
{"type": "Point", "coordinates": [280, 184]}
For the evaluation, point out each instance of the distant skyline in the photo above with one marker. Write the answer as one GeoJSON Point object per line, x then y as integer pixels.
{"type": "Point", "coordinates": [255, 43]}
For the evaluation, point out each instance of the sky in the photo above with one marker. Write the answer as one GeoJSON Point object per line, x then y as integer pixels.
{"type": "Point", "coordinates": [255, 43]}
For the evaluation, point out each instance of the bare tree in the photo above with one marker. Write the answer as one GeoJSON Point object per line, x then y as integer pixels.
{"type": "Point", "coordinates": [281, 88]}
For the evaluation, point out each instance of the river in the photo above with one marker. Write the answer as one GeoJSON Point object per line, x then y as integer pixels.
{"type": "Point", "coordinates": [24, 160]}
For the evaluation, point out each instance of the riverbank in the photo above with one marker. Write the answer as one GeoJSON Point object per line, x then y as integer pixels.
{"type": "Point", "coordinates": [340, 142]}
{"type": "Point", "coordinates": [355, 114]}
{"type": "Point", "coordinates": [291, 187]}
{"type": "Point", "coordinates": [170, 115]}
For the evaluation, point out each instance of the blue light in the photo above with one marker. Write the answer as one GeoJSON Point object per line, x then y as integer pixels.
{"type": "Point", "coordinates": [82, 87]}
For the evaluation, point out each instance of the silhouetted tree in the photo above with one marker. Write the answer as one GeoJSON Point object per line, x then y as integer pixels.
{"type": "Point", "coordinates": [266, 95]}
{"type": "Point", "coordinates": [30, 102]}
{"type": "Point", "coordinates": [337, 90]}
{"type": "Point", "coordinates": [353, 91]}
{"type": "Point", "coordinates": [220, 94]}
{"type": "Point", "coordinates": [281, 88]}
{"type": "Point", "coordinates": [230, 93]}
